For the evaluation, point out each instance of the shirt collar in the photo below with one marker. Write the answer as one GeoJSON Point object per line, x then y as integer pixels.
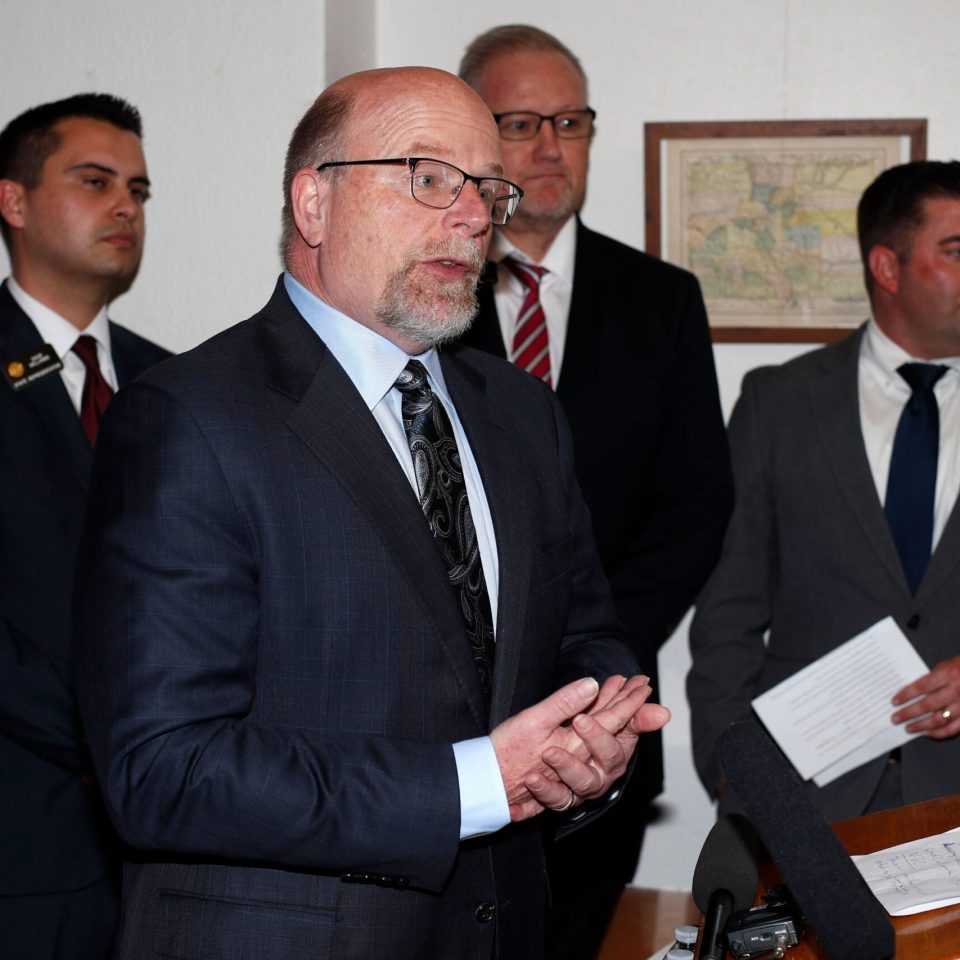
{"type": "Point", "coordinates": [371, 361]}
{"type": "Point", "coordinates": [59, 332]}
{"type": "Point", "coordinates": [559, 260]}
{"type": "Point", "coordinates": [886, 356]}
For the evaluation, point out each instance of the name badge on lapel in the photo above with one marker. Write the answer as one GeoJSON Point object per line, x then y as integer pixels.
{"type": "Point", "coordinates": [31, 367]}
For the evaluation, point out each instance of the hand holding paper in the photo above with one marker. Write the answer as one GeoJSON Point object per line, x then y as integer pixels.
{"type": "Point", "coordinates": [835, 715]}
{"type": "Point", "coordinates": [937, 702]}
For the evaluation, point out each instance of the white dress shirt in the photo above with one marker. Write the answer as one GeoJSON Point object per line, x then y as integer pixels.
{"type": "Point", "coordinates": [883, 393]}
{"type": "Point", "coordinates": [61, 334]}
{"type": "Point", "coordinates": [556, 290]}
{"type": "Point", "coordinates": [373, 364]}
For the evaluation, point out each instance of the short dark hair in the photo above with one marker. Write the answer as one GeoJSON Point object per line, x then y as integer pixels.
{"type": "Point", "coordinates": [891, 208]}
{"type": "Point", "coordinates": [317, 138]}
{"type": "Point", "coordinates": [28, 140]}
{"type": "Point", "coordinates": [511, 38]}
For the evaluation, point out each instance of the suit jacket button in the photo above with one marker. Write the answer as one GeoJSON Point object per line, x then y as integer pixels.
{"type": "Point", "coordinates": [484, 913]}
{"type": "Point", "coordinates": [914, 621]}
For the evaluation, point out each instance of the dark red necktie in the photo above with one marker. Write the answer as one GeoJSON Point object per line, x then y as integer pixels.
{"type": "Point", "coordinates": [531, 349]}
{"type": "Point", "coordinates": [96, 391]}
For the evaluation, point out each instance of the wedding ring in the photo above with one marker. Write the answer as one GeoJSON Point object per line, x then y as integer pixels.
{"type": "Point", "coordinates": [946, 714]}
{"type": "Point", "coordinates": [569, 802]}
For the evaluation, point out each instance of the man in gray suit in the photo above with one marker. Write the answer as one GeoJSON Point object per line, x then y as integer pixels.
{"type": "Point", "coordinates": [824, 542]}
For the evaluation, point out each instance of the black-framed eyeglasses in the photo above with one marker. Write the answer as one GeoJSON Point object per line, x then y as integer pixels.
{"type": "Point", "coordinates": [436, 183]}
{"type": "Point", "coordinates": [525, 124]}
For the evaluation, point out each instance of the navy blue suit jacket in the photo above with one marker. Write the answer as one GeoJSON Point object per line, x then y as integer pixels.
{"type": "Point", "coordinates": [54, 835]}
{"type": "Point", "coordinates": [639, 390]}
{"type": "Point", "coordinates": [274, 666]}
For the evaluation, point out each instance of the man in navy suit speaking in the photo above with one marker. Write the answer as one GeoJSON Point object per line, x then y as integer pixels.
{"type": "Point", "coordinates": [73, 183]}
{"type": "Point", "coordinates": [344, 631]}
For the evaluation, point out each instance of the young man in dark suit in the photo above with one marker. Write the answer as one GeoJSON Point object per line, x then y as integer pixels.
{"type": "Point", "coordinates": [623, 339]}
{"type": "Point", "coordinates": [73, 182]}
{"type": "Point", "coordinates": [837, 524]}
{"type": "Point", "coordinates": [338, 594]}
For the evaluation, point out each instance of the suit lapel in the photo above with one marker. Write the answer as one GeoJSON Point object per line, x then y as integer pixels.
{"type": "Point", "coordinates": [331, 419]}
{"type": "Point", "coordinates": [945, 557]}
{"type": "Point", "coordinates": [585, 321]}
{"type": "Point", "coordinates": [836, 412]}
{"type": "Point", "coordinates": [485, 333]}
{"type": "Point", "coordinates": [486, 418]}
{"type": "Point", "coordinates": [124, 366]}
{"type": "Point", "coordinates": [48, 397]}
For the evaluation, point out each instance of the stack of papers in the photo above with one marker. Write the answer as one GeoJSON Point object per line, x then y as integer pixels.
{"type": "Point", "coordinates": [834, 714]}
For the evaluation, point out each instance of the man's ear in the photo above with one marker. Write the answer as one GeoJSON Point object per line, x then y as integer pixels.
{"type": "Point", "coordinates": [884, 264]}
{"type": "Point", "coordinates": [12, 196]}
{"type": "Point", "coordinates": [310, 200]}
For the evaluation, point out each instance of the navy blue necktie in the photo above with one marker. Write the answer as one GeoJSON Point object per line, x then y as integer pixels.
{"type": "Point", "coordinates": [912, 482]}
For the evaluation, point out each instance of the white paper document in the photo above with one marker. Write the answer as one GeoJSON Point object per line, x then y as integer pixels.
{"type": "Point", "coordinates": [834, 714]}
{"type": "Point", "coordinates": [915, 876]}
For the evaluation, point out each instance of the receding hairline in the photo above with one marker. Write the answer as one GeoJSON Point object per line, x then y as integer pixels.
{"type": "Point", "coordinates": [508, 39]}
{"type": "Point", "coordinates": [388, 86]}
{"type": "Point", "coordinates": [347, 109]}
{"type": "Point", "coordinates": [366, 82]}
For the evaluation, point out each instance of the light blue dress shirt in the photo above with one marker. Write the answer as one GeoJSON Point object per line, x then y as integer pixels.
{"type": "Point", "coordinates": [373, 364]}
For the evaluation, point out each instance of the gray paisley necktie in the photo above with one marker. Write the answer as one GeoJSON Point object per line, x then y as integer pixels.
{"type": "Point", "coordinates": [443, 497]}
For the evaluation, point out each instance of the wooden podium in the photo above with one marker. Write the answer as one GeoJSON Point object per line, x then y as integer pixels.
{"type": "Point", "coordinates": [644, 919]}
{"type": "Point", "coordinates": [933, 935]}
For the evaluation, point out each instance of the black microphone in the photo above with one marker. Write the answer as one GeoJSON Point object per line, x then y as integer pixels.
{"type": "Point", "coordinates": [725, 879]}
{"type": "Point", "coordinates": [849, 921]}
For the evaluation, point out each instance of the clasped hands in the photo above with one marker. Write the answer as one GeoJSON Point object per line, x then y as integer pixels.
{"type": "Point", "coordinates": [573, 745]}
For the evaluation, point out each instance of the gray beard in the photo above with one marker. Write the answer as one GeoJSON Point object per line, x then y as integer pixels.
{"type": "Point", "coordinates": [434, 314]}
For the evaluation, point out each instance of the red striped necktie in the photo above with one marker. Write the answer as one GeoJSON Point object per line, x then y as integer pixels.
{"type": "Point", "coordinates": [531, 349]}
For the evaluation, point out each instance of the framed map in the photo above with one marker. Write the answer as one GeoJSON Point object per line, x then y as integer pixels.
{"type": "Point", "coordinates": [764, 213]}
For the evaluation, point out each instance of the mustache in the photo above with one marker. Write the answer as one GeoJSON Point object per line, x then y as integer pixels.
{"type": "Point", "coordinates": [464, 252]}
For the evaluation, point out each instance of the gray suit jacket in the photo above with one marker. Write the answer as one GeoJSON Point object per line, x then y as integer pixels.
{"type": "Point", "coordinates": [808, 556]}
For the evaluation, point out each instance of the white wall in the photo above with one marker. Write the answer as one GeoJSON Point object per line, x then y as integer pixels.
{"type": "Point", "coordinates": [221, 85]}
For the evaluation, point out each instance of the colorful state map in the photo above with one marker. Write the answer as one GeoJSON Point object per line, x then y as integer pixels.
{"type": "Point", "coordinates": [772, 233]}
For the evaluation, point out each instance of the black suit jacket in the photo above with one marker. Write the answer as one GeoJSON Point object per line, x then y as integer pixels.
{"type": "Point", "coordinates": [273, 664]}
{"type": "Point", "coordinates": [639, 389]}
{"type": "Point", "coordinates": [54, 834]}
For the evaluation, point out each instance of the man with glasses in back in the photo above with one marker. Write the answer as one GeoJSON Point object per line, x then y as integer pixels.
{"type": "Point", "coordinates": [343, 629]}
{"type": "Point", "coordinates": [622, 337]}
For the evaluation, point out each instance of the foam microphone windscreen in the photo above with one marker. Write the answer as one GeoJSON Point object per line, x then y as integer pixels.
{"type": "Point", "coordinates": [725, 880]}
{"type": "Point", "coordinates": [728, 861]}
{"type": "Point", "coordinates": [848, 920]}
